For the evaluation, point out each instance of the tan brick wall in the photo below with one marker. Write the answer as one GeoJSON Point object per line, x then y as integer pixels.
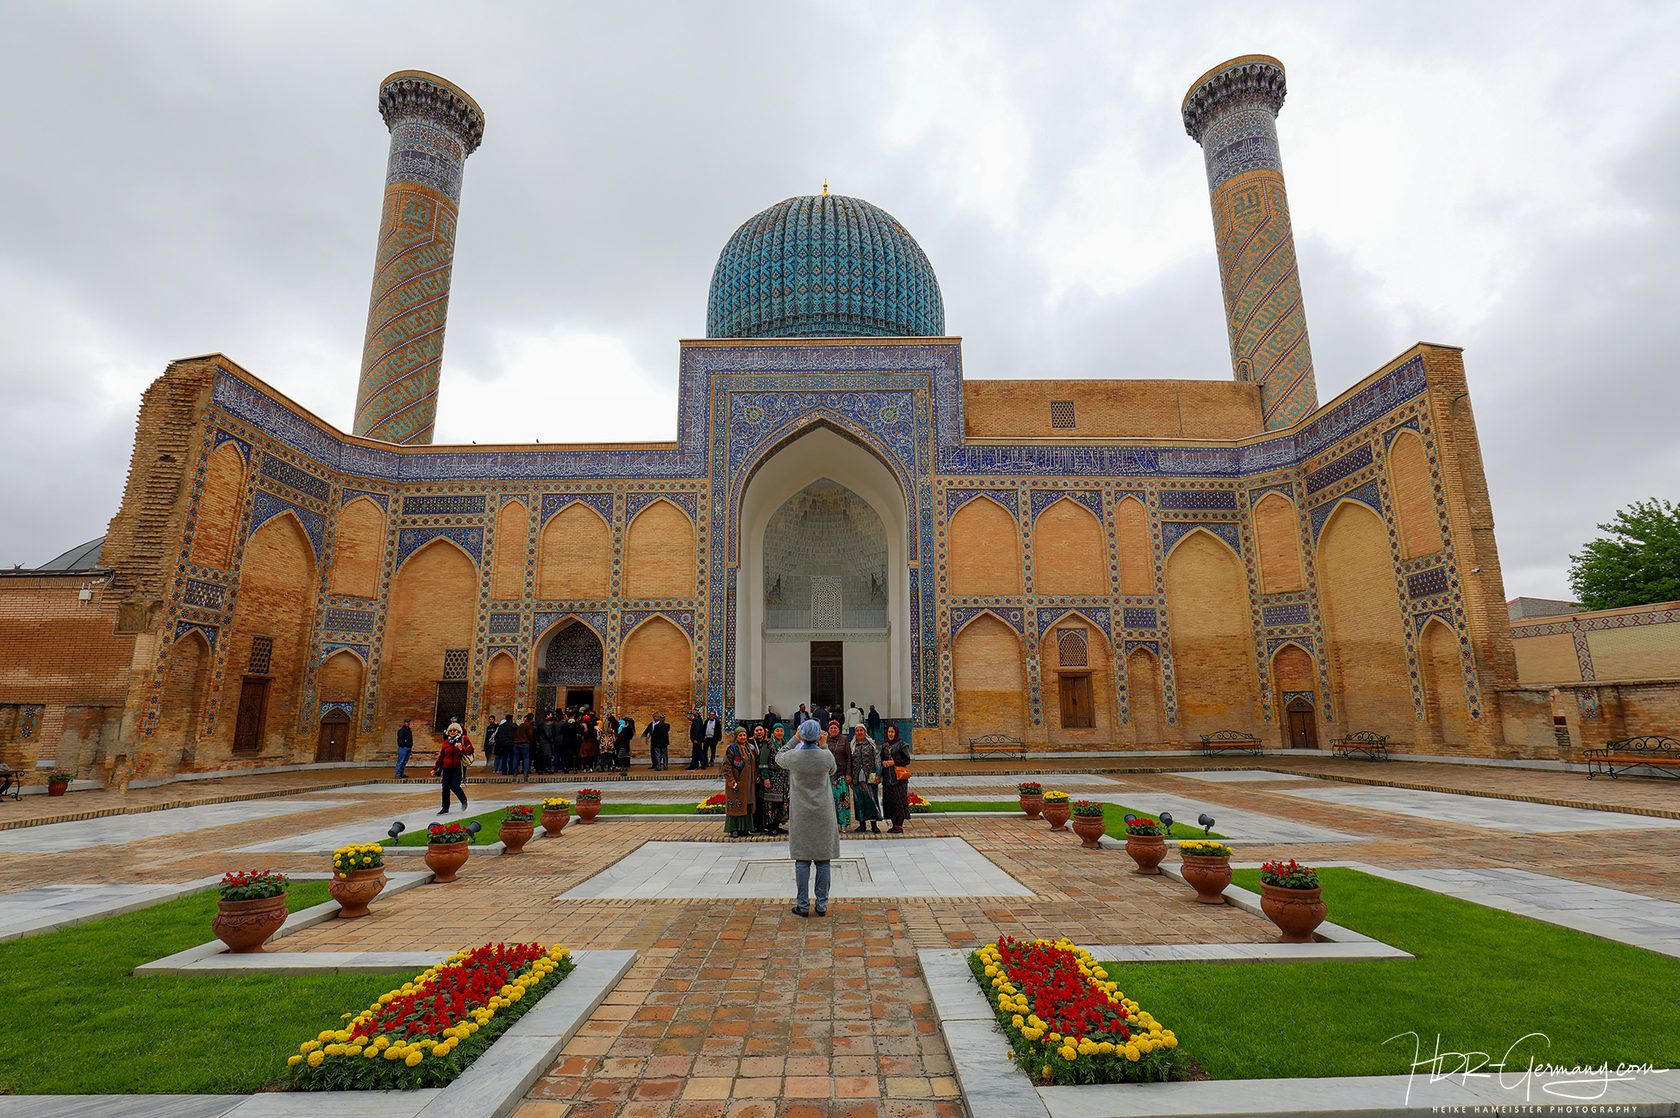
{"type": "Point", "coordinates": [1414, 496]}
{"type": "Point", "coordinates": [1548, 659]}
{"type": "Point", "coordinates": [1137, 564]}
{"type": "Point", "coordinates": [1070, 555]}
{"type": "Point", "coordinates": [218, 507]}
{"type": "Point", "coordinates": [983, 551]}
{"type": "Point", "coordinates": [276, 598]}
{"type": "Point", "coordinates": [1112, 408]}
{"type": "Point", "coordinates": [1212, 643]}
{"type": "Point", "coordinates": [660, 555]}
{"type": "Point", "coordinates": [990, 680]}
{"type": "Point", "coordinates": [574, 558]}
{"type": "Point", "coordinates": [1366, 635]}
{"type": "Point", "coordinates": [433, 607]}
{"type": "Point", "coordinates": [1277, 530]}
{"type": "Point", "coordinates": [507, 579]}
{"type": "Point", "coordinates": [358, 548]}
{"type": "Point", "coordinates": [501, 686]}
{"type": "Point", "coordinates": [656, 676]}
{"type": "Point", "coordinates": [1644, 652]}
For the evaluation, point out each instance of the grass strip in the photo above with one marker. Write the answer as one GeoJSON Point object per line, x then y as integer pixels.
{"type": "Point", "coordinates": [81, 1024]}
{"type": "Point", "coordinates": [1481, 982]}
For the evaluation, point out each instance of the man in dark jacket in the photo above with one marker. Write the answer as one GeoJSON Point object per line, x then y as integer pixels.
{"type": "Point", "coordinates": [524, 737]}
{"type": "Point", "coordinates": [570, 734]}
{"type": "Point", "coordinates": [405, 746]}
{"type": "Point", "coordinates": [504, 745]}
{"type": "Point", "coordinates": [714, 731]}
{"type": "Point", "coordinates": [872, 722]}
{"type": "Point", "coordinates": [658, 733]}
{"type": "Point", "coordinates": [696, 740]}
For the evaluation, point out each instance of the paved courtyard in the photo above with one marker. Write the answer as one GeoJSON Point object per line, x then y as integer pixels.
{"type": "Point", "coordinates": [736, 1007]}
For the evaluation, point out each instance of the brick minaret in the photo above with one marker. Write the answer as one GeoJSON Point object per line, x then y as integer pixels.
{"type": "Point", "coordinates": [434, 127]}
{"type": "Point", "coordinates": [1232, 112]}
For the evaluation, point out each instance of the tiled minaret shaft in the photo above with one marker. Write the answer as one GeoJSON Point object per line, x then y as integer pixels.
{"type": "Point", "coordinates": [1232, 112]}
{"type": "Point", "coordinates": [434, 127]}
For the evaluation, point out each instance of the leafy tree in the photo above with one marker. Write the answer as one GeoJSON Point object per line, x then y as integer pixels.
{"type": "Point", "coordinates": [1636, 564]}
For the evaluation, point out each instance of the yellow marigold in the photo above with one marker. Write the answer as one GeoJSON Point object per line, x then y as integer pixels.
{"type": "Point", "coordinates": [316, 1057]}
{"type": "Point", "coordinates": [393, 1053]}
{"type": "Point", "coordinates": [1132, 1053]}
{"type": "Point", "coordinates": [414, 1058]}
{"type": "Point", "coordinates": [382, 1043]}
{"type": "Point", "coordinates": [1017, 1021]}
{"type": "Point", "coordinates": [325, 1036]}
{"type": "Point", "coordinates": [293, 1061]}
{"type": "Point", "coordinates": [370, 1053]}
{"type": "Point", "coordinates": [353, 1050]}
{"type": "Point", "coordinates": [1106, 1048]}
{"type": "Point", "coordinates": [309, 1046]}
{"type": "Point", "coordinates": [1045, 1072]}
{"type": "Point", "coordinates": [1068, 1053]}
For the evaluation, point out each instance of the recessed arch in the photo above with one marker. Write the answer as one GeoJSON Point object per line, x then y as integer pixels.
{"type": "Point", "coordinates": [1212, 636]}
{"type": "Point", "coordinates": [186, 684]}
{"type": "Point", "coordinates": [983, 551]}
{"type": "Point", "coordinates": [817, 422]}
{"type": "Point", "coordinates": [220, 498]}
{"type": "Point", "coordinates": [507, 571]}
{"type": "Point", "coordinates": [501, 685]}
{"type": "Point", "coordinates": [1343, 503]}
{"type": "Point", "coordinates": [1364, 624]}
{"type": "Point", "coordinates": [1205, 534]}
{"type": "Point", "coordinates": [358, 548]}
{"type": "Point", "coordinates": [1277, 537]}
{"type": "Point", "coordinates": [574, 560]}
{"type": "Point", "coordinates": [661, 559]}
{"type": "Point", "coordinates": [1143, 697]}
{"type": "Point", "coordinates": [432, 609]}
{"type": "Point", "coordinates": [1133, 547]}
{"type": "Point", "coordinates": [1412, 492]}
{"type": "Point", "coordinates": [1076, 680]}
{"type": "Point", "coordinates": [655, 672]}
{"type": "Point", "coordinates": [1446, 701]}
{"type": "Point", "coordinates": [989, 678]}
{"type": "Point", "coordinates": [275, 601]}
{"type": "Point", "coordinates": [988, 612]}
{"type": "Point", "coordinates": [434, 544]}
{"type": "Point", "coordinates": [1070, 554]}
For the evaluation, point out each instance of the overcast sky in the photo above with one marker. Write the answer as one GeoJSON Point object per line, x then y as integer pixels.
{"type": "Point", "coordinates": [186, 178]}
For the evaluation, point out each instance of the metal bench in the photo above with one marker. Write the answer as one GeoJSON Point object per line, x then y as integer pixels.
{"type": "Point", "coordinates": [1362, 743]}
{"type": "Point", "coordinates": [1229, 741]}
{"type": "Point", "coordinates": [1000, 745]}
{"type": "Point", "coordinates": [1658, 754]}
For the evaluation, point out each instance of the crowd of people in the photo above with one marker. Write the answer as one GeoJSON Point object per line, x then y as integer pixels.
{"type": "Point", "coordinates": [869, 783]}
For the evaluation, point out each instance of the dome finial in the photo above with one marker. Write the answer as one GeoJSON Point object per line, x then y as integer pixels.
{"type": "Point", "coordinates": [825, 188]}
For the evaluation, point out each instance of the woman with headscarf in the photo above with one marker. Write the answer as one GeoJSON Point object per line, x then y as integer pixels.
{"type": "Point", "coordinates": [840, 745]}
{"type": "Point", "coordinates": [895, 789]}
{"type": "Point", "coordinates": [866, 780]}
{"type": "Point", "coordinates": [740, 765]}
{"type": "Point", "coordinates": [452, 761]}
{"type": "Point", "coordinates": [773, 780]}
{"type": "Point", "coordinates": [812, 835]}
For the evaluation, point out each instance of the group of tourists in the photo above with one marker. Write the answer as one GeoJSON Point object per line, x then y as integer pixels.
{"type": "Point", "coordinates": [570, 740]}
{"type": "Point", "coordinates": [869, 781]}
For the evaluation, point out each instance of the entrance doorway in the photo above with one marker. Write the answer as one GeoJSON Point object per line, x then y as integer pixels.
{"type": "Point", "coordinates": [1303, 728]}
{"type": "Point", "coordinates": [335, 735]}
{"type": "Point", "coordinates": [827, 673]}
{"type": "Point", "coordinates": [580, 696]}
{"type": "Point", "coordinates": [253, 706]}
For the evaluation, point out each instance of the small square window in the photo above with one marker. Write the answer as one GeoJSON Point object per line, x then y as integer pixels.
{"type": "Point", "coordinates": [1061, 413]}
{"type": "Point", "coordinates": [262, 654]}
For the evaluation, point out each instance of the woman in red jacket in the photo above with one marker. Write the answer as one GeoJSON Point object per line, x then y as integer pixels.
{"type": "Point", "coordinates": [452, 761]}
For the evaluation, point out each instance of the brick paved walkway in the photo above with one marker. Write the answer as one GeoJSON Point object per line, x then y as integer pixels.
{"type": "Point", "coordinates": [736, 1007]}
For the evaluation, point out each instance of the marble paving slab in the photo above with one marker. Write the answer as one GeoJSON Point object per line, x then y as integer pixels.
{"type": "Point", "coordinates": [1512, 816]}
{"type": "Point", "coordinates": [52, 907]}
{"type": "Point", "coordinates": [52, 838]}
{"type": "Point", "coordinates": [1239, 776]}
{"type": "Point", "coordinates": [933, 867]}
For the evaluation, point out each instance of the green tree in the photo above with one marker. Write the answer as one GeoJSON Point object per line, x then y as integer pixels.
{"type": "Point", "coordinates": [1637, 563]}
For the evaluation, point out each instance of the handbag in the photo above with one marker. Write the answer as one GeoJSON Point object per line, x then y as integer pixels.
{"type": "Point", "coordinates": [900, 772]}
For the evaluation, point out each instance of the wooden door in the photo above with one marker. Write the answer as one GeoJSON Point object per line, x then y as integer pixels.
{"type": "Point", "coordinates": [1303, 730]}
{"type": "Point", "coordinates": [827, 673]}
{"type": "Point", "coordinates": [253, 707]}
{"type": "Point", "coordinates": [1075, 694]}
{"type": "Point", "coordinates": [335, 734]}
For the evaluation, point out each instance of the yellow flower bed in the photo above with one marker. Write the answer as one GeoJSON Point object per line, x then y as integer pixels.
{"type": "Point", "coordinates": [426, 1032]}
{"type": "Point", "coordinates": [1067, 1022]}
{"type": "Point", "coordinates": [357, 856]}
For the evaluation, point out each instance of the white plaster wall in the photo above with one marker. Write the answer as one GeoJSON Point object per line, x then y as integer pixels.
{"type": "Point", "coordinates": [819, 453]}
{"type": "Point", "coordinates": [787, 679]}
{"type": "Point", "coordinates": [868, 673]}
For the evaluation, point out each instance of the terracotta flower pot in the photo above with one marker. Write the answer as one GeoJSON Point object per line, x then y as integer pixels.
{"type": "Point", "coordinates": [554, 821]}
{"type": "Point", "coordinates": [1057, 815]}
{"type": "Point", "coordinates": [587, 810]}
{"type": "Point", "coordinates": [355, 891]}
{"type": "Point", "coordinates": [57, 787]}
{"type": "Point", "coordinates": [1032, 805]}
{"type": "Point", "coordinates": [514, 835]}
{"type": "Point", "coordinates": [244, 925]}
{"type": "Point", "coordinates": [1089, 828]}
{"type": "Point", "coordinates": [1296, 912]}
{"type": "Point", "coordinates": [445, 859]}
{"type": "Point", "coordinates": [1207, 875]}
{"type": "Point", "coordinates": [1147, 851]}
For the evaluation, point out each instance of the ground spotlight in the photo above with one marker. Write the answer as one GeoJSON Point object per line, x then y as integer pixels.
{"type": "Point", "coordinates": [1130, 818]}
{"type": "Point", "coordinates": [1166, 822]}
{"type": "Point", "coordinates": [473, 828]}
{"type": "Point", "coordinates": [397, 828]}
{"type": "Point", "coordinates": [1206, 821]}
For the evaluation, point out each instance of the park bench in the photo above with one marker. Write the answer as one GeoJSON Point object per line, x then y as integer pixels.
{"type": "Point", "coordinates": [1658, 754]}
{"type": "Point", "coordinates": [998, 745]}
{"type": "Point", "coordinates": [1361, 743]}
{"type": "Point", "coordinates": [1229, 741]}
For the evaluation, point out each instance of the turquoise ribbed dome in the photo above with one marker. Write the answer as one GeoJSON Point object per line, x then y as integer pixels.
{"type": "Point", "coordinates": [823, 265]}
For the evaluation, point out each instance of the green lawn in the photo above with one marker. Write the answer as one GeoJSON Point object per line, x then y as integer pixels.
{"type": "Point", "coordinates": [491, 820]}
{"type": "Point", "coordinates": [1482, 979]}
{"type": "Point", "coordinates": [78, 1023]}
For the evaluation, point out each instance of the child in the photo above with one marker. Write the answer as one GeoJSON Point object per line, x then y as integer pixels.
{"type": "Point", "coordinates": [842, 802]}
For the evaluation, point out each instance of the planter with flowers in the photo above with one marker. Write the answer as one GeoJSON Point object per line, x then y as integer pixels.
{"type": "Point", "coordinates": [516, 828]}
{"type": "Point", "coordinates": [712, 805]}
{"type": "Point", "coordinates": [588, 804]}
{"type": "Point", "coordinates": [1056, 810]}
{"type": "Point", "coordinates": [58, 781]}
{"type": "Point", "coordinates": [556, 813]}
{"type": "Point", "coordinates": [252, 908]}
{"type": "Point", "coordinates": [446, 850]}
{"type": "Point", "coordinates": [358, 877]}
{"type": "Point", "coordinates": [1088, 823]}
{"type": "Point", "coordinates": [1291, 898]}
{"type": "Point", "coordinates": [1032, 798]}
{"type": "Point", "coordinates": [1146, 843]}
{"type": "Point", "coordinates": [1206, 868]}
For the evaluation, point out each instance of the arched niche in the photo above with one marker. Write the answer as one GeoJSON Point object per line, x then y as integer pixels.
{"type": "Point", "coordinates": [655, 673]}
{"type": "Point", "coordinates": [1070, 555]}
{"type": "Point", "coordinates": [574, 560]}
{"type": "Point", "coordinates": [433, 610]}
{"type": "Point", "coordinates": [1447, 704]}
{"type": "Point", "coordinates": [507, 575]}
{"type": "Point", "coordinates": [1135, 551]}
{"type": "Point", "coordinates": [983, 551]}
{"type": "Point", "coordinates": [1413, 493]}
{"type": "Point", "coordinates": [1365, 624]}
{"type": "Point", "coordinates": [358, 545]}
{"type": "Point", "coordinates": [1277, 532]}
{"type": "Point", "coordinates": [660, 560]}
{"type": "Point", "coordinates": [778, 671]}
{"type": "Point", "coordinates": [569, 660]}
{"type": "Point", "coordinates": [219, 501]}
{"type": "Point", "coordinates": [1212, 636]}
{"type": "Point", "coordinates": [989, 678]}
{"type": "Point", "coordinates": [1076, 682]}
